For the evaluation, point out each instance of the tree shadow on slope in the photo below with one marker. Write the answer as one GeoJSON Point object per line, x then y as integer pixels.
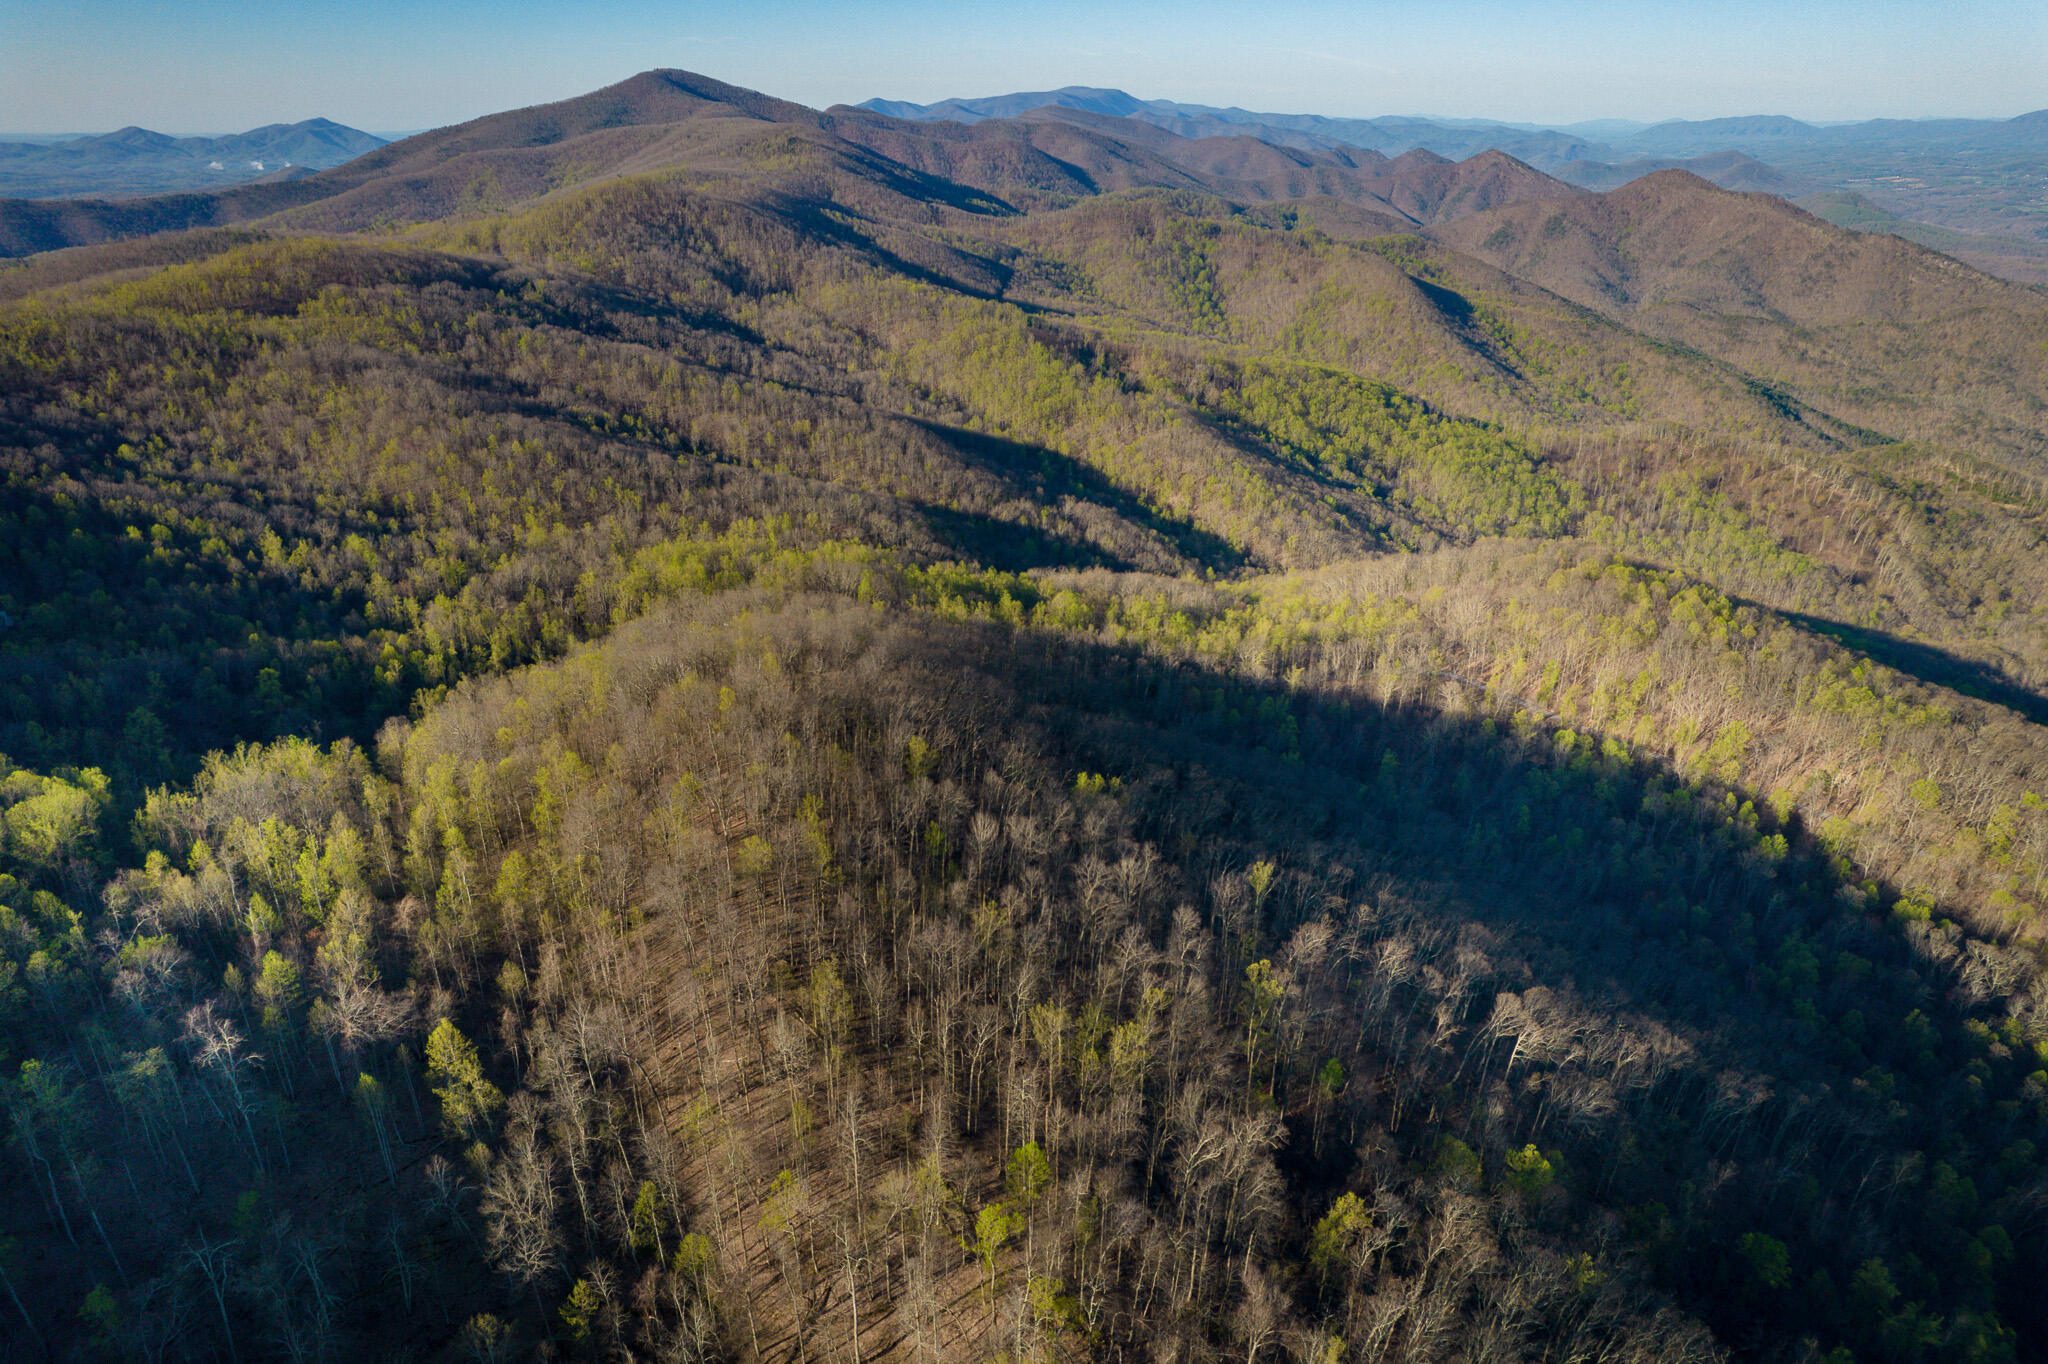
{"type": "Point", "coordinates": [977, 276]}
{"type": "Point", "coordinates": [1726, 1046]}
{"type": "Point", "coordinates": [1046, 476]}
{"type": "Point", "coordinates": [1940, 667]}
{"type": "Point", "coordinates": [1010, 547]}
{"type": "Point", "coordinates": [113, 655]}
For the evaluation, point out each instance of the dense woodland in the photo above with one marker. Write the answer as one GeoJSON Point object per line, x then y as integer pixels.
{"type": "Point", "coordinates": [837, 749]}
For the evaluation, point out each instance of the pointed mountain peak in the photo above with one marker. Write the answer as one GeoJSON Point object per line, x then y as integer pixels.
{"type": "Point", "coordinates": [1673, 180]}
{"type": "Point", "coordinates": [666, 90]}
{"type": "Point", "coordinates": [134, 138]}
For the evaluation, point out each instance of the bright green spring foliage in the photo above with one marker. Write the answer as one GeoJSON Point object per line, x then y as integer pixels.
{"type": "Point", "coordinates": [468, 1099]}
{"type": "Point", "coordinates": [1460, 478]}
{"type": "Point", "coordinates": [1337, 1237]}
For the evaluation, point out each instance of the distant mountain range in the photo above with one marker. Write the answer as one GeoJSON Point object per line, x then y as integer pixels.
{"type": "Point", "coordinates": [1456, 138]}
{"type": "Point", "coordinates": [1969, 187]}
{"type": "Point", "coordinates": [1600, 139]}
{"type": "Point", "coordinates": [1972, 185]}
{"type": "Point", "coordinates": [137, 161]}
{"type": "Point", "coordinates": [1965, 187]}
{"type": "Point", "coordinates": [670, 119]}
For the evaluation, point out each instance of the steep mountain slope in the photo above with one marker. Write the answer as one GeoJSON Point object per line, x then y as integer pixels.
{"type": "Point", "coordinates": [1754, 281]}
{"type": "Point", "coordinates": [2014, 258]}
{"type": "Point", "coordinates": [520, 153]}
{"type": "Point", "coordinates": [1978, 176]}
{"type": "Point", "coordinates": [1418, 186]}
{"type": "Point", "coordinates": [2007, 256]}
{"type": "Point", "coordinates": [1431, 189]}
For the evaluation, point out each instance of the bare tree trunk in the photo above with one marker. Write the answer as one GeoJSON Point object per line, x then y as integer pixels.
{"type": "Point", "coordinates": [27, 1320]}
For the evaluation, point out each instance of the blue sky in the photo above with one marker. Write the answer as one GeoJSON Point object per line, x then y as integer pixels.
{"type": "Point", "coordinates": [224, 65]}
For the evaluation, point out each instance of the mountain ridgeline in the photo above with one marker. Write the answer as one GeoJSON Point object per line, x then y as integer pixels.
{"type": "Point", "coordinates": [1966, 186]}
{"type": "Point", "coordinates": [673, 726]}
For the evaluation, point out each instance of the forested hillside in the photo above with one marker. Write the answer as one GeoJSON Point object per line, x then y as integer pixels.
{"type": "Point", "coordinates": [815, 737]}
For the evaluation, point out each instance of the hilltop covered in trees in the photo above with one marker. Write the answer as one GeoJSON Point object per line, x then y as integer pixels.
{"type": "Point", "coordinates": [832, 742]}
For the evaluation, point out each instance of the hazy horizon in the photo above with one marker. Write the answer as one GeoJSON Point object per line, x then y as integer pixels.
{"type": "Point", "coordinates": [214, 66]}
{"type": "Point", "coordinates": [1444, 115]}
